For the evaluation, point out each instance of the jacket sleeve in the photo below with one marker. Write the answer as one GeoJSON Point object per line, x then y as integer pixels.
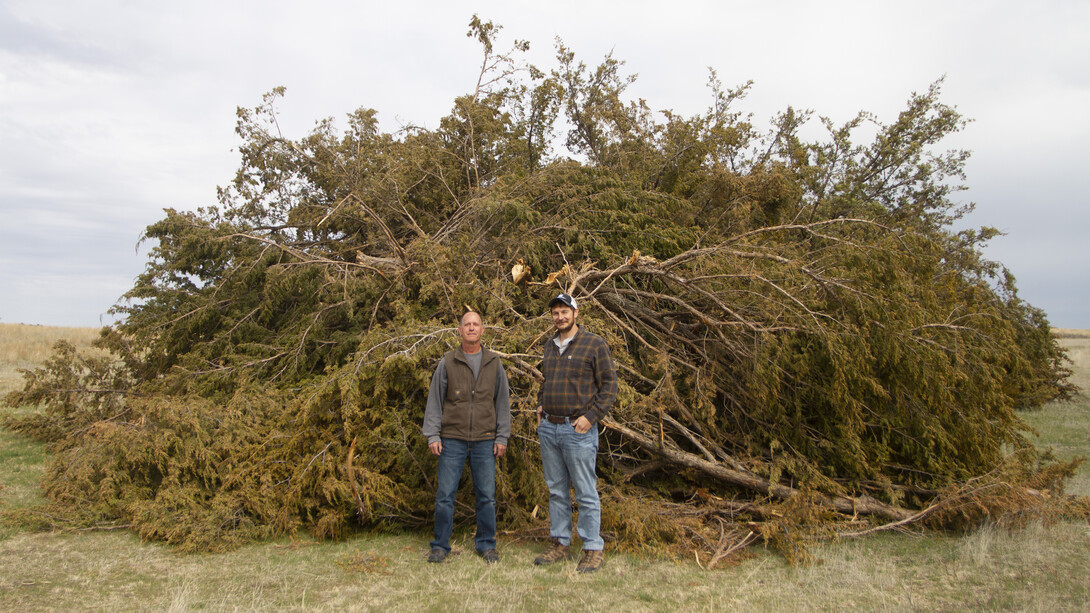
{"type": "Point", "coordinates": [502, 402]}
{"type": "Point", "coordinates": [433, 411]}
{"type": "Point", "coordinates": [605, 376]}
{"type": "Point", "coordinates": [541, 388]}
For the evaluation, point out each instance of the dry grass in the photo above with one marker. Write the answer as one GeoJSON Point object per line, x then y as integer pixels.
{"type": "Point", "coordinates": [1041, 568]}
{"type": "Point", "coordinates": [23, 347]}
{"type": "Point", "coordinates": [1037, 569]}
{"type": "Point", "coordinates": [1078, 350]}
{"type": "Point", "coordinates": [1071, 333]}
{"type": "Point", "coordinates": [22, 462]}
{"type": "Point", "coordinates": [1064, 427]}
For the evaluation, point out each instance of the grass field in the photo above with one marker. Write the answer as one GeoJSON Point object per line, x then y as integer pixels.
{"type": "Point", "coordinates": [23, 346]}
{"type": "Point", "coordinates": [1042, 568]}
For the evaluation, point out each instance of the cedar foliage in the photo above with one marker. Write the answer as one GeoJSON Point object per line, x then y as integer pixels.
{"type": "Point", "coordinates": [803, 341]}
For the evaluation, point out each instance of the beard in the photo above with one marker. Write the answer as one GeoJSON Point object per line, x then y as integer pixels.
{"type": "Point", "coordinates": [566, 327]}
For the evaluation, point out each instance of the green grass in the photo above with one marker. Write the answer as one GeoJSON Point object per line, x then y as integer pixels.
{"type": "Point", "coordinates": [1064, 427]}
{"type": "Point", "coordinates": [22, 463]}
{"type": "Point", "coordinates": [1040, 568]}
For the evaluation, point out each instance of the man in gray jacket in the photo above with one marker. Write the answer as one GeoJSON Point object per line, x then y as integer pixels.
{"type": "Point", "coordinates": [468, 416]}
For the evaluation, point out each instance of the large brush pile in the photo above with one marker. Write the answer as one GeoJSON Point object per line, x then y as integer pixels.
{"type": "Point", "coordinates": [804, 344]}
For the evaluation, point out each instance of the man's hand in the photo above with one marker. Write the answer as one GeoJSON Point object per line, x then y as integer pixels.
{"type": "Point", "coordinates": [436, 447]}
{"type": "Point", "coordinates": [498, 450]}
{"type": "Point", "coordinates": [581, 425]}
{"type": "Point", "coordinates": [540, 414]}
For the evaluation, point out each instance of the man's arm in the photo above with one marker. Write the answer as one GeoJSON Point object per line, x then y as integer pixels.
{"type": "Point", "coordinates": [541, 389]}
{"type": "Point", "coordinates": [502, 401]}
{"type": "Point", "coordinates": [605, 375]}
{"type": "Point", "coordinates": [433, 411]}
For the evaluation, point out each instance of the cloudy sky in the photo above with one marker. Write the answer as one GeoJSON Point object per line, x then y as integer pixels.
{"type": "Point", "coordinates": [111, 111]}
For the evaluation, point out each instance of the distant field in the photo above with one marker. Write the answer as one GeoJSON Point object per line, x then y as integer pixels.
{"type": "Point", "coordinates": [1042, 568]}
{"type": "Point", "coordinates": [23, 346]}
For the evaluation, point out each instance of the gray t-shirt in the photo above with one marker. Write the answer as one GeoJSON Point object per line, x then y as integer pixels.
{"type": "Point", "coordinates": [561, 345]}
{"type": "Point", "coordinates": [474, 360]}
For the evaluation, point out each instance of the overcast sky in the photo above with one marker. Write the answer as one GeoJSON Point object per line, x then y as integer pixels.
{"type": "Point", "coordinates": [111, 111]}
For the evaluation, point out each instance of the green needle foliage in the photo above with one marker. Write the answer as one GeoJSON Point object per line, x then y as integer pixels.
{"type": "Point", "coordinates": [801, 336]}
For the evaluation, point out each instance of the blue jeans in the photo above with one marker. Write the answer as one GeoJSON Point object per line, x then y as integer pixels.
{"type": "Point", "coordinates": [482, 466]}
{"type": "Point", "coordinates": [568, 461]}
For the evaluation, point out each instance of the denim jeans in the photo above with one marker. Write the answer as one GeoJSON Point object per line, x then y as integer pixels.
{"type": "Point", "coordinates": [482, 466]}
{"type": "Point", "coordinates": [568, 461]}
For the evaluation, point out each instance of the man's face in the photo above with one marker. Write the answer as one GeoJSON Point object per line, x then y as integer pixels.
{"type": "Point", "coordinates": [471, 329]}
{"type": "Point", "coordinates": [563, 318]}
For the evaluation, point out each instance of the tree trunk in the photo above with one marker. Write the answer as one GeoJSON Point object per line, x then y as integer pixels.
{"type": "Point", "coordinates": [863, 505]}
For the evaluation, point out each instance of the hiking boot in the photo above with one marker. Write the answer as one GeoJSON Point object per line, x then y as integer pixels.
{"type": "Point", "coordinates": [489, 555]}
{"type": "Point", "coordinates": [592, 561]}
{"type": "Point", "coordinates": [553, 554]}
{"type": "Point", "coordinates": [438, 554]}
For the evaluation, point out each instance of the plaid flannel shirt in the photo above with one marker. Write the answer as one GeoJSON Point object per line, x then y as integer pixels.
{"type": "Point", "coordinates": [582, 381]}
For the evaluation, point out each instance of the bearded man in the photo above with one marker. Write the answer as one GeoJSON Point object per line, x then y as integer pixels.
{"type": "Point", "coordinates": [579, 389]}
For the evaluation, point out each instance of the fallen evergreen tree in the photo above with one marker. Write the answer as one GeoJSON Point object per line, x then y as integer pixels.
{"type": "Point", "coordinates": [805, 345]}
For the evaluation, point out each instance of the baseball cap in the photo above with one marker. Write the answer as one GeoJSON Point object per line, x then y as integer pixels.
{"type": "Point", "coordinates": [564, 299]}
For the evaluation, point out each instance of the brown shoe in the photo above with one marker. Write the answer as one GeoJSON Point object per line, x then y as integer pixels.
{"type": "Point", "coordinates": [592, 561]}
{"type": "Point", "coordinates": [553, 554]}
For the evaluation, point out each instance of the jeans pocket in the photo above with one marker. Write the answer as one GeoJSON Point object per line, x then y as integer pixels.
{"type": "Point", "coordinates": [586, 440]}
